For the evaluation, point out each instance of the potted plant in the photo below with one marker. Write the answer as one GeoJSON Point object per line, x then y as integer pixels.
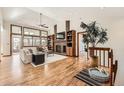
{"type": "Point", "coordinates": [94, 34]}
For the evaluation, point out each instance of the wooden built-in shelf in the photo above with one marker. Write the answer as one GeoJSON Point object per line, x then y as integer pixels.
{"type": "Point", "coordinates": [71, 43]}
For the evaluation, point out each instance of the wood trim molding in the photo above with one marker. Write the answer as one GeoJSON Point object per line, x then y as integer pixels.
{"type": "Point", "coordinates": [33, 28]}
{"type": "Point", "coordinates": [11, 39]}
{"type": "Point", "coordinates": [6, 55]}
{"type": "Point", "coordinates": [55, 31]}
{"type": "Point", "coordinates": [30, 46]}
{"type": "Point", "coordinates": [16, 25]}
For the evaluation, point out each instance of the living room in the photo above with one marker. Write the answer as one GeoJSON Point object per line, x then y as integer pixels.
{"type": "Point", "coordinates": [54, 23]}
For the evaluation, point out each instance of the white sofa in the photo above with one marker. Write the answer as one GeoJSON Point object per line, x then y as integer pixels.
{"type": "Point", "coordinates": [26, 55]}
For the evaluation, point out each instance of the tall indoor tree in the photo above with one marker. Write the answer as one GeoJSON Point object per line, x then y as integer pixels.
{"type": "Point", "coordinates": [94, 34]}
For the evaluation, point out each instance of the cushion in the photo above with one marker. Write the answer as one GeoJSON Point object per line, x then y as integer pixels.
{"type": "Point", "coordinates": [30, 50]}
{"type": "Point", "coordinates": [26, 52]}
{"type": "Point", "coordinates": [40, 48]}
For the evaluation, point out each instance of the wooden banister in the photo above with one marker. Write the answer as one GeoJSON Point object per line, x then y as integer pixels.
{"type": "Point", "coordinates": [105, 60]}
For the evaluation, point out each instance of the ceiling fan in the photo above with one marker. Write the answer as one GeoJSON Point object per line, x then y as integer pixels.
{"type": "Point", "coordinates": [42, 25]}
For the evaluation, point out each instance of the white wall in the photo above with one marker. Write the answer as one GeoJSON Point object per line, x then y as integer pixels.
{"type": "Point", "coordinates": [117, 37]}
{"type": "Point", "coordinates": [6, 38]}
{"type": "Point", "coordinates": [1, 28]}
{"type": "Point", "coordinates": [102, 21]}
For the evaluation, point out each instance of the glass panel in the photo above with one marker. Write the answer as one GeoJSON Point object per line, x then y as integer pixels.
{"type": "Point", "coordinates": [16, 43]}
{"type": "Point", "coordinates": [16, 29]}
{"type": "Point", "coordinates": [36, 41]}
{"type": "Point", "coordinates": [43, 33]}
{"type": "Point", "coordinates": [44, 41]}
{"type": "Point", "coordinates": [27, 41]}
{"type": "Point", "coordinates": [28, 31]}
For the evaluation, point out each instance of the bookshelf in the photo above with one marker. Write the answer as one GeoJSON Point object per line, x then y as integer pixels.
{"type": "Point", "coordinates": [71, 43]}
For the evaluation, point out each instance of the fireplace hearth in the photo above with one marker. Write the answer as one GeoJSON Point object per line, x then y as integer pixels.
{"type": "Point", "coordinates": [61, 49]}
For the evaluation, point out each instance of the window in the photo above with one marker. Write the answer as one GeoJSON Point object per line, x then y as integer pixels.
{"type": "Point", "coordinates": [30, 36]}
{"type": "Point", "coordinates": [36, 41]}
{"type": "Point", "coordinates": [31, 41]}
{"type": "Point", "coordinates": [44, 33]}
{"type": "Point", "coordinates": [44, 41]}
{"type": "Point", "coordinates": [33, 38]}
{"type": "Point", "coordinates": [16, 29]}
{"type": "Point", "coordinates": [29, 31]}
{"type": "Point", "coordinates": [27, 41]}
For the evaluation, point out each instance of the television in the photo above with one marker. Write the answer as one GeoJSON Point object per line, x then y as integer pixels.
{"type": "Point", "coordinates": [60, 35]}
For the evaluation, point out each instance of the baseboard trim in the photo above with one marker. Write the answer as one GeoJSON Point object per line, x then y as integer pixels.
{"type": "Point", "coordinates": [6, 55]}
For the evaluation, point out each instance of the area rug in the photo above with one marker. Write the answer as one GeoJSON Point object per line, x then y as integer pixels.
{"type": "Point", "coordinates": [51, 59]}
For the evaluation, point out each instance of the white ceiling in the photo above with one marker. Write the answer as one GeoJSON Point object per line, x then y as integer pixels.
{"type": "Point", "coordinates": [25, 16]}
{"type": "Point", "coordinates": [60, 13]}
{"type": "Point", "coordinates": [30, 15]}
{"type": "Point", "coordinates": [63, 13]}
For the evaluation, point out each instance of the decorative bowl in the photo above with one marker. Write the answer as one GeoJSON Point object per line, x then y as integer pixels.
{"type": "Point", "coordinates": [98, 75]}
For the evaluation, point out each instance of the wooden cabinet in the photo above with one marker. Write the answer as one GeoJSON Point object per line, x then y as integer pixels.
{"type": "Point", "coordinates": [69, 51]}
{"type": "Point", "coordinates": [71, 43]}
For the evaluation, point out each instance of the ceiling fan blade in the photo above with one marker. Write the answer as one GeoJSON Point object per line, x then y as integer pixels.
{"type": "Point", "coordinates": [43, 26]}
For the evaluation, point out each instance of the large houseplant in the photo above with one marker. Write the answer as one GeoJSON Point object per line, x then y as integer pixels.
{"type": "Point", "coordinates": [94, 34]}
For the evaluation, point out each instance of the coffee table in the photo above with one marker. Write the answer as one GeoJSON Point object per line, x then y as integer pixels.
{"type": "Point", "coordinates": [38, 59]}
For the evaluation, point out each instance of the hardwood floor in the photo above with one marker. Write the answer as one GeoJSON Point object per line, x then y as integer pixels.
{"type": "Point", "coordinates": [14, 72]}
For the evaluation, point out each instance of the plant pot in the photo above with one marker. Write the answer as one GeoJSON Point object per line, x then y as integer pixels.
{"type": "Point", "coordinates": [93, 61]}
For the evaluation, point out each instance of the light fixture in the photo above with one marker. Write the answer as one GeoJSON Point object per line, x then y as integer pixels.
{"type": "Point", "coordinates": [42, 25]}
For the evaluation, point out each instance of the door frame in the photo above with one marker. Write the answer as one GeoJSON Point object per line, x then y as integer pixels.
{"type": "Point", "coordinates": [79, 33]}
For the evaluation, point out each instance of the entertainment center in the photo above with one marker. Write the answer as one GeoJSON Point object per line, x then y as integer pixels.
{"type": "Point", "coordinates": [63, 43]}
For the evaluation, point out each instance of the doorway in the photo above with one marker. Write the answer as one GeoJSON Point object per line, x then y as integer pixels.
{"type": "Point", "coordinates": [81, 46]}
{"type": "Point", "coordinates": [16, 44]}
